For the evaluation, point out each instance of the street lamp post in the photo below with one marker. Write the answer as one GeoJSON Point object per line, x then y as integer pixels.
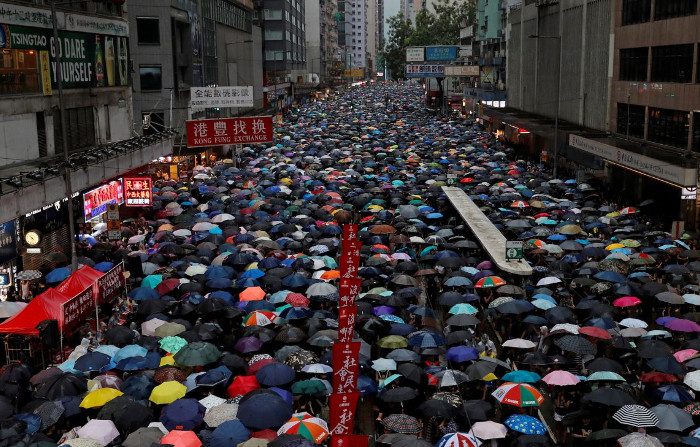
{"type": "Point", "coordinates": [556, 115]}
{"type": "Point", "coordinates": [64, 138]}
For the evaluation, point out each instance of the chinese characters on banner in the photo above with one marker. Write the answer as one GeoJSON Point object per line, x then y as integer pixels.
{"type": "Point", "coordinates": [111, 284]}
{"type": "Point", "coordinates": [138, 191]}
{"type": "Point", "coordinates": [220, 131]}
{"type": "Point", "coordinates": [346, 353]}
{"type": "Point", "coordinates": [76, 309]}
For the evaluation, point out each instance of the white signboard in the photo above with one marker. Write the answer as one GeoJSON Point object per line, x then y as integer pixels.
{"type": "Point", "coordinates": [41, 18]}
{"type": "Point", "coordinates": [415, 54]}
{"type": "Point", "coordinates": [655, 168]}
{"type": "Point", "coordinates": [689, 193]}
{"type": "Point", "coordinates": [461, 70]}
{"type": "Point", "coordinates": [211, 97]}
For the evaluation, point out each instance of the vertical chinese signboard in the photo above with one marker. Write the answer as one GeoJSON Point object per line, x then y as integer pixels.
{"type": "Point", "coordinates": [138, 191]}
{"type": "Point", "coordinates": [111, 284]}
{"type": "Point", "coordinates": [77, 309]}
{"type": "Point", "coordinates": [346, 353]}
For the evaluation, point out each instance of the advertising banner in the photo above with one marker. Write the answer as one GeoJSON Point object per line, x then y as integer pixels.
{"type": "Point", "coordinates": [342, 417]}
{"type": "Point", "coordinates": [346, 366]}
{"type": "Point", "coordinates": [415, 54]}
{"type": "Point", "coordinates": [425, 71]}
{"type": "Point", "coordinates": [217, 132]}
{"type": "Point", "coordinates": [95, 201]}
{"type": "Point", "coordinates": [138, 191]}
{"type": "Point", "coordinates": [87, 60]}
{"type": "Point", "coordinates": [112, 284]}
{"type": "Point", "coordinates": [209, 97]}
{"type": "Point", "coordinates": [77, 309]}
{"type": "Point", "coordinates": [440, 53]}
{"type": "Point", "coordinates": [461, 70]}
{"type": "Point", "coordinates": [8, 241]}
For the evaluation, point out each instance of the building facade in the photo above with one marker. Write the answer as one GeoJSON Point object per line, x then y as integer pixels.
{"type": "Point", "coordinates": [356, 33]}
{"type": "Point", "coordinates": [322, 50]}
{"type": "Point", "coordinates": [284, 27]}
{"type": "Point", "coordinates": [181, 44]}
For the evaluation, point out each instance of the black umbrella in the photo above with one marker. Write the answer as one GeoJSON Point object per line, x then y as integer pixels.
{"type": "Point", "coordinates": [436, 408]}
{"type": "Point", "coordinates": [127, 414]}
{"type": "Point", "coordinates": [119, 336]}
{"type": "Point", "coordinates": [605, 364]}
{"type": "Point", "coordinates": [61, 386]}
{"type": "Point", "coordinates": [612, 397]}
{"type": "Point", "coordinates": [400, 394]}
{"type": "Point", "coordinates": [653, 348]}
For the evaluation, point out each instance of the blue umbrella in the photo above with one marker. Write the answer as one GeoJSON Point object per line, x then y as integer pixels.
{"type": "Point", "coordinates": [138, 386]}
{"type": "Point", "coordinates": [610, 276]}
{"type": "Point", "coordinates": [215, 376]}
{"type": "Point", "coordinates": [143, 294]}
{"type": "Point", "coordinates": [426, 339]}
{"type": "Point", "coordinates": [228, 434]}
{"type": "Point", "coordinates": [104, 266]}
{"type": "Point", "coordinates": [183, 414]}
{"type": "Point", "coordinates": [33, 422]}
{"type": "Point", "coordinates": [264, 410]}
{"type": "Point", "coordinates": [218, 271]}
{"type": "Point", "coordinates": [525, 424]}
{"type": "Point", "coordinates": [58, 275]}
{"type": "Point", "coordinates": [130, 351]}
{"type": "Point", "coordinates": [252, 274]}
{"type": "Point", "coordinates": [460, 354]}
{"type": "Point", "coordinates": [674, 393]}
{"type": "Point", "coordinates": [223, 296]}
{"type": "Point", "coordinates": [138, 363]}
{"type": "Point", "coordinates": [92, 361]}
{"type": "Point", "coordinates": [522, 376]}
{"type": "Point", "coordinates": [284, 394]}
{"type": "Point", "coordinates": [275, 374]}
{"type": "Point", "coordinates": [219, 283]}
{"type": "Point", "coordinates": [295, 281]}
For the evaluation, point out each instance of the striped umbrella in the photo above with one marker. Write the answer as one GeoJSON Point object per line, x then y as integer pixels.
{"type": "Point", "coordinates": [305, 425]}
{"type": "Point", "coordinates": [489, 282]}
{"type": "Point", "coordinates": [260, 318]}
{"type": "Point", "coordinates": [458, 440]}
{"type": "Point", "coordinates": [518, 395]}
{"type": "Point", "coordinates": [636, 416]}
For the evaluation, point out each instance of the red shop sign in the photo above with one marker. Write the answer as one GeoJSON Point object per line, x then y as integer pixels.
{"type": "Point", "coordinates": [96, 200]}
{"type": "Point", "coordinates": [138, 191]}
{"type": "Point", "coordinates": [220, 131]}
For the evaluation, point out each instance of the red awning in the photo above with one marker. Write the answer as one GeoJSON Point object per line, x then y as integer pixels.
{"type": "Point", "coordinates": [79, 281]}
{"type": "Point", "coordinates": [46, 306]}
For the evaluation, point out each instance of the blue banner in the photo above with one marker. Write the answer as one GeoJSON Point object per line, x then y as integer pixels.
{"type": "Point", "coordinates": [440, 53]}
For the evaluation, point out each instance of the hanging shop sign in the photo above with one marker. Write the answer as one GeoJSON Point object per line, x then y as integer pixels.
{"type": "Point", "coordinates": [212, 97]}
{"type": "Point", "coordinates": [138, 191]}
{"type": "Point", "coordinates": [441, 53]}
{"type": "Point", "coordinates": [87, 60]}
{"type": "Point", "coordinates": [221, 131]}
{"type": "Point", "coordinates": [652, 167]}
{"type": "Point", "coordinates": [8, 241]}
{"type": "Point", "coordinates": [425, 71]}
{"type": "Point", "coordinates": [95, 201]}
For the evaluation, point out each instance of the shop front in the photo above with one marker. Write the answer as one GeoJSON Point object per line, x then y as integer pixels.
{"type": "Point", "coordinates": [667, 185]}
{"type": "Point", "coordinates": [95, 204]}
{"type": "Point", "coordinates": [8, 258]}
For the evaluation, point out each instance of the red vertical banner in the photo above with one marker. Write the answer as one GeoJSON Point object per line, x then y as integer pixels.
{"type": "Point", "coordinates": [346, 367]}
{"type": "Point", "coordinates": [350, 232]}
{"type": "Point", "coordinates": [346, 323]}
{"type": "Point", "coordinates": [343, 417]}
{"type": "Point", "coordinates": [348, 291]}
{"type": "Point", "coordinates": [350, 441]}
{"type": "Point", "coordinates": [350, 259]}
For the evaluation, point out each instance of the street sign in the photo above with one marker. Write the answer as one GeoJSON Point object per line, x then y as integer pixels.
{"type": "Point", "coordinates": [213, 97]}
{"type": "Point", "coordinates": [415, 54]}
{"type": "Point", "coordinates": [425, 71]}
{"type": "Point", "coordinates": [440, 53]}
{"type": "Point", "coordinates": [514, 250]}
{"type": "Point", "coordinates": [112, 212]}
{"type": "Point", "coordinates": [221, 131]}
{"type": "Point", "coordinates": [451, 179]}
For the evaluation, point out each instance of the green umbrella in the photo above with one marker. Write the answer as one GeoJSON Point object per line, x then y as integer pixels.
{"type": "Point", "coordinates": [309, 387]}
{"type": "Point", "coordinates": [172, 344]}
{"type": "Point", "coordinates": [197, 354]}
{"type": "Point", "coordinates": [152, 281]}
{"type": "Point", "coordinates": [393, 342]}
{"type": "Point", "coordinates": [169, 329]}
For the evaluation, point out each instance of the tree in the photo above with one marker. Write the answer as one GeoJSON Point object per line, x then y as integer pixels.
{"type": "Point", "coordinates": [438, 28]}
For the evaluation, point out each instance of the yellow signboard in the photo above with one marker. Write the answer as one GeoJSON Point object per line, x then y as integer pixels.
{"type": "Point", "coordinates": [355, 73]}
{"type": "Point", "coordinates": [45, 73]}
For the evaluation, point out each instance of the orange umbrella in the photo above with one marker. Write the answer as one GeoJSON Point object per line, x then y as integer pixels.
{"type": "Point", "coordinates": [331, 274]}
{"type": "Point", "coordinates": [252, 294]}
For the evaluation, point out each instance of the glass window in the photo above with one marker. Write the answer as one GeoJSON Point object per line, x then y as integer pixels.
{"type": "Point", "coordinates": [151, 77]}
{"type": "Point", "coordinates": [273, 35]}
{"type": "Point", "coordinates": [633, 64]}
{"type": "Point", "coordinates": [666, 9]}
{"type": "Point", "coordinates": [19, 72]}
{"type": "Point", "coordinates": [635, 11]}
{"type": "Point", "coordinates": [148, 30]}
{"type": "Point", "coordinates": [630, 120]}
{"type": "Point", "coordinates": [668, 127]}
{"type": "Point", "coordinates": [80, 128]}
{"type": "Point", "coordinates": [672, 63]}
{"type": "Point", "coordinates": [272, 14]}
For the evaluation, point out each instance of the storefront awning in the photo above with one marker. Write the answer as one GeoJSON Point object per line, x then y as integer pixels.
{"type": "Point", "coordinates": [663, 170]}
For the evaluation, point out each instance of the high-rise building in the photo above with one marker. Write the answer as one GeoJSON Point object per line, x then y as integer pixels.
{"type": "Point", "coordinates": [183, 44]}
{"type": "Point", "coordinates": [322, 51]}
{"type": "Point", "coordinates": [356, 33]}
{"type": "Point", "coordinates": [284, 27]}
{"type": "Point", "coordinates": [371, 36]}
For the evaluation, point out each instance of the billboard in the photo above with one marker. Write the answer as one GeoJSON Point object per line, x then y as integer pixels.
{"type": "Point", "coordinates": [96, 200]}
{"type": "Point", "coordinates": [211, 97]}
{"type": "Point", "coordinates": [425, 71]}
{"type": "Point", "coordinates": [441, 53]}
{"type": "Point", "coordinates": [138, 191]}
{"type": "Point", "coordinates": [220, 131]}
{"type": "Point", "coordinates": [415, 54]}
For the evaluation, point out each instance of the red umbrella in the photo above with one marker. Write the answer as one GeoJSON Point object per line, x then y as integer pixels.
{"type": "Point", "coordinates": [595, 332]}
{"type": "Point", "coordinates": [658, 377]}
{"type": "Point", "coordinates": [180, 438]}
{"type": "Point", "coordinates": [627, 301]}
{"type": "Point", "coordinates": [168, 286]}
{"type": "Point", "coordinates": [297, 300]}
{"type": "Point", "coordinates": [242, 385]}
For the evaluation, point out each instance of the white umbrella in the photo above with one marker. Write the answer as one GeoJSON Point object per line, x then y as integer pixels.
{"type": "Point", "coordinates": [546, 281]}
{"type": "Point", "coordinates": [11, 308]}
{"type": "Point", "coordinates": [519, 343]}
{"type": "Point", "coordinates": [317, 368]}
{"type": "Point", "coordinates": [692, 379]}
{"type": "Point", "coordinates": [637, 439]}
{"type": "Point", "coordinates": [489, 430]}
{"type": "Point", "coordinates": [634, 322]}
{"type": "Point", "coordinates": [137, 239]}
{"type": "Point", "coordinates": [636, 416]}
{"type": "Point", "coordinates": [219, 414]}
{"type": "Point", "coordinates": [196, 269]}
{"type": "Point", "coordinates": [222, 218]}
{"type": "Point", "coordinates": [565, 327]}
{"type": "Point", "coordinates": [203, 226]}
{"type": "Point", "coordinates": [183, 232]}
{"type": "Point", "coordinates": [382, 364]}
{"type": "Point", "coordinates": [211, 401]}
{"type": "Point", "coordinates": [149, 327]}
{"type": "Point", "coordinates": [101, 430]}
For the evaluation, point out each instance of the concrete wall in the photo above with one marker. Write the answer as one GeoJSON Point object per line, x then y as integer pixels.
{"type": "Point", "coordinates": [240, 63]}
{"type": "Point", "coordinates": [18, 138]}
{"type": "Point", "coordinates": [586, 60]}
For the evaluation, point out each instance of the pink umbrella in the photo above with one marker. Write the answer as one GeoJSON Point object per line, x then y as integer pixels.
{"type": "Point", "coordinates": [560, 378]}
{"type": "Point", "coordinates": [685, 354]}
{"type": "Point", "coordinates": [627, 301]}
{"type": "Point", "coordinates": [100, 430]}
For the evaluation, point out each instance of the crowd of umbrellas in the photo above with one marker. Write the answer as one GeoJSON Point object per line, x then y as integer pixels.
{"type": "Point", "coordinates": [225, 339]}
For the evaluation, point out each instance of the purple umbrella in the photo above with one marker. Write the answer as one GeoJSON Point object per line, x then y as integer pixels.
{"type": "Point", "coordinates": [485, 265]}
{"type": "Point", "coordinates": [383, 310]}
{"type": "Point", "coordinates": [682, 325]}
{"type": "Point", "coordinates": [248, 344]}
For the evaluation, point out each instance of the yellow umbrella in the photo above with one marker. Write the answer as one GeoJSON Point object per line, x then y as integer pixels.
{"type": "Point", "coordinates": [612, 247]}
{"type": "Point", "coordinates": [167, 360]}
{"type": "Point", "coordinates": [99, 397]}
{"type": "Point", "coordinates": [630, 243]}
{"type": "Point", "coordinates": [167, 392]}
